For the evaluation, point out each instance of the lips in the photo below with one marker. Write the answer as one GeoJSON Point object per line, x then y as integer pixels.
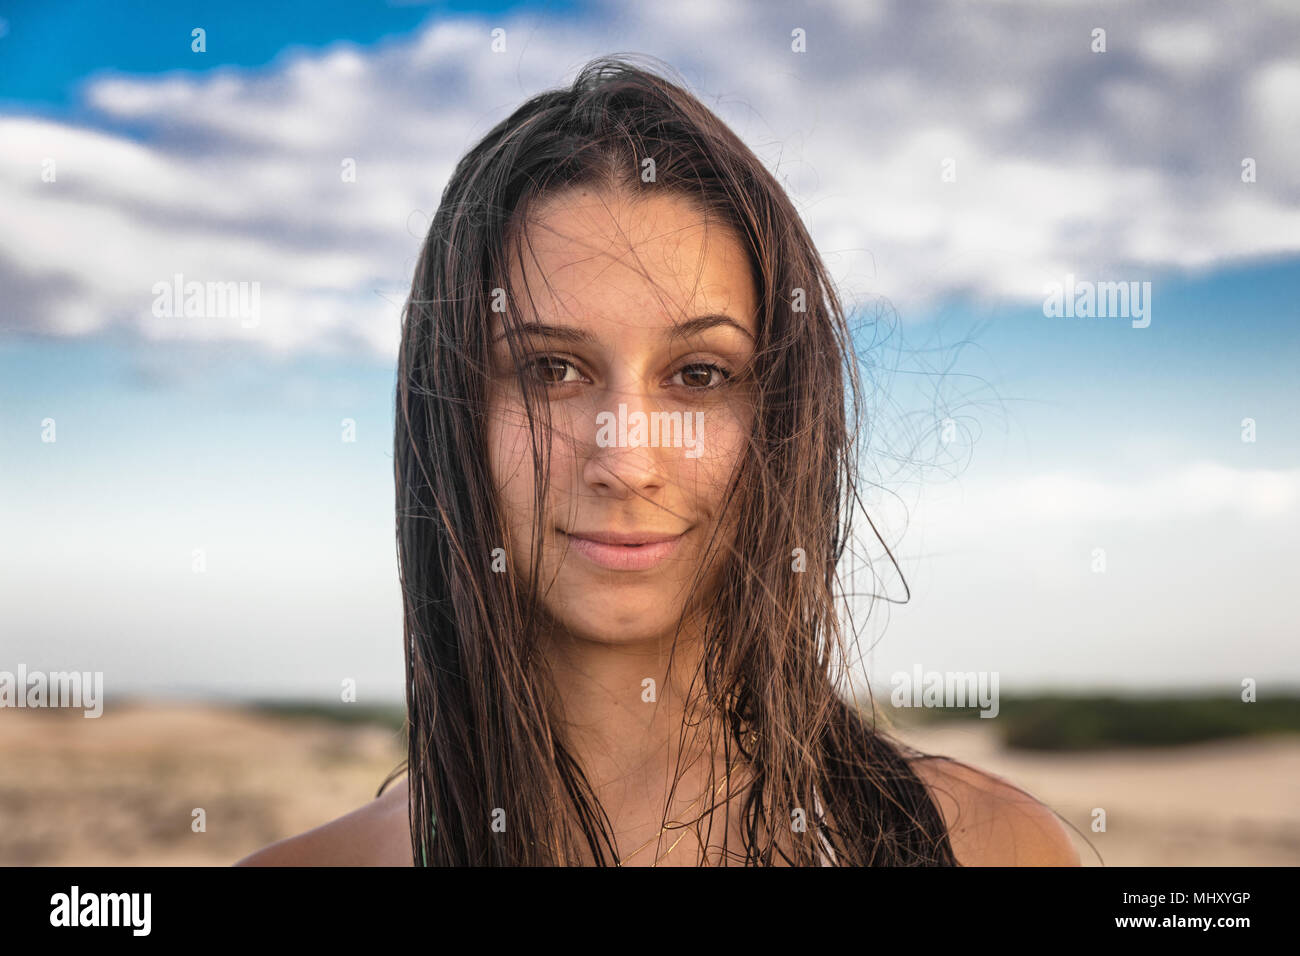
{"type": "Point", "coordinates": [624, 537]}
{"type": "Point", "coordinates": [624, 550]}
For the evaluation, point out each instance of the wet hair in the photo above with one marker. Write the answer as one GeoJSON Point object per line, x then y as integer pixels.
{"type": "Point", "coordinates": [772, 674]}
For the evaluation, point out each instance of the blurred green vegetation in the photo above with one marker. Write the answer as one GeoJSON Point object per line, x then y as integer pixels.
{"type": "Point", "coordinates": [392, 716]}
{"type": "Point", "coordinates": [1088, 722]}
{"type": "Point", "coordinates": [1028, 722]}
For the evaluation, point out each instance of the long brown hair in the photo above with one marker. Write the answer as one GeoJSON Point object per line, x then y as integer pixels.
{"type": "Point", "coordinates": [481, 739]}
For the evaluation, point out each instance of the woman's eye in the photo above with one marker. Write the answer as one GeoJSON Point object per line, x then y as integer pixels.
{"type": "Point", "coordinates": [702, 376]}
{"type": "Point", "coordinates": [551, 370]}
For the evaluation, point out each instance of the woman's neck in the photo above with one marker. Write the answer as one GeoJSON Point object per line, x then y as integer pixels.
{"type": "Point", "coordinates": [620, 709]}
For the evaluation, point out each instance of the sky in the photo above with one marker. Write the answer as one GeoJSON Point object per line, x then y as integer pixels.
{"type": "Point", "coordinates": [952, 161]}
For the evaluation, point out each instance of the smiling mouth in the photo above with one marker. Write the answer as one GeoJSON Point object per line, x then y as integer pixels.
{"type": "Point", "coordinates": [624, 551]}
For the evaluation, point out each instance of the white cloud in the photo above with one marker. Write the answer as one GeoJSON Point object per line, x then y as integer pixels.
{"type": "Point", "coordinates": [1198, 490]}
{"type": "Point", "coordinates": [1063, 157]}
{"type": "Point", "coordinates": [1182, 47]}
{"type": "Point", "coordinates": [1274, 122]}
{"type": "Point", "coordinates": [1004, 574]}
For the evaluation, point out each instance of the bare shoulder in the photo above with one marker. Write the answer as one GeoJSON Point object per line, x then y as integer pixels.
{"type": "Point", "coordinates": [377, 834]}
{"type": "Point", "coordinates": [990, 821]}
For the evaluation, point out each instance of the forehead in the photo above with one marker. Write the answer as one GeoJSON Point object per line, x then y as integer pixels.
{"type": "Point", "coordinates": [594, 256]}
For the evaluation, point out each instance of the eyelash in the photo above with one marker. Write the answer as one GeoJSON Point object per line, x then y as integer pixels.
{"type": "Point", "coordinates": [722, 370]}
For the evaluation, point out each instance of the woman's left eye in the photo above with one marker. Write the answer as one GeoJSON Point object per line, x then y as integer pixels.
{"type": "Point", "coordinates": [702, 376]}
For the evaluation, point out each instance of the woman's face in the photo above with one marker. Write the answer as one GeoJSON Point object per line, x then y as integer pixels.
{"type": "Point", "coordinates": [641, 322]}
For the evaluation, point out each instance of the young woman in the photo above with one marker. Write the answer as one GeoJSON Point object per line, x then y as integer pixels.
{"type": "Point", "coordinates": [625, 476]}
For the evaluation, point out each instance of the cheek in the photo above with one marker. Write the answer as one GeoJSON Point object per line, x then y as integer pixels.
{"type": "Point", "coordinates": [511, 461]}
{"type": "Point", "coordinates": [722, 447]}
{"type": "Point", "coordinates": [510, 445]}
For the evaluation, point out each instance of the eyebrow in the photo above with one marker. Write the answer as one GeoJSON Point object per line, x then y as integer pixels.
{"type": "Point", "coordinates": [570, 333]}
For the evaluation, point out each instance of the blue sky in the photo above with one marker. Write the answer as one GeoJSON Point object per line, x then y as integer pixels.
{"type": "Point", "coordinates": [176, 434]}
{"type": "Point", "coordinates": [140, 37]}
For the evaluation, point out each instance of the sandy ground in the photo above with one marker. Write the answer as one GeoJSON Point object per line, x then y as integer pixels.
{"type": "Point", "coordinates": [1215, 804]}
{"type": "Point", "coordinates": [121, 790]}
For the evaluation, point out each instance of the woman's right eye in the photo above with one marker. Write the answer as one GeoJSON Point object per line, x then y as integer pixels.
{"type": "Point", "coordinates": [552, 370]}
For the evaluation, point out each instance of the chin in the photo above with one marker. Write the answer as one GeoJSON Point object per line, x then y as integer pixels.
{"type": "Point", "coordinates": [605, 616]}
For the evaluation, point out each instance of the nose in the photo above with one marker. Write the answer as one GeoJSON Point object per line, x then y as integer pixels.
{"type": "Point", "coordinates": [614, 467]}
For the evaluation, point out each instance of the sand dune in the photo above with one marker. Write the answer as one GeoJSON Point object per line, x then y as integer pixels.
{"type": "Point", "coordinates": [121, 790]}
{"type": "Point", "coordinates": [1233, 803]}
